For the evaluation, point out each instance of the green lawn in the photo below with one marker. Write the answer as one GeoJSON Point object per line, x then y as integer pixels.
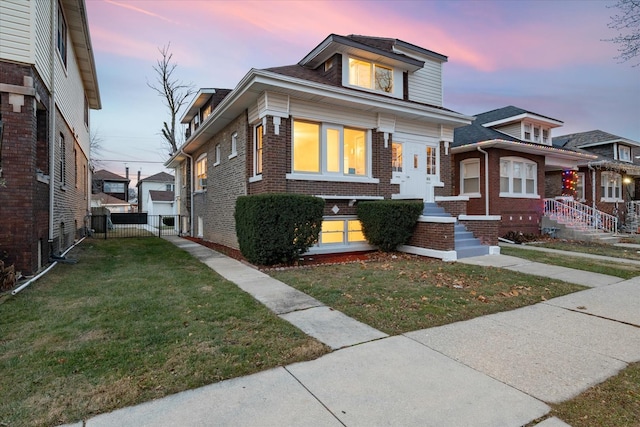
{"type": "Point", "coordinates": [133, 320]}
{"type": "Point", "coordinates": [407, 293]}
{"type": "Point", "coordinates": [593, 248]}
{"type": "Point", "coordinates": [625, 271]}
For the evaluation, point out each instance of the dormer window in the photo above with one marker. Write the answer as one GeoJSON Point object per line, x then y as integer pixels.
{"type": "Point", "coordinates": [536, 133]}
{"type": "Point", "coordinates": [624, 153]}
{"type": "Point", "coordinates": [369, 75]}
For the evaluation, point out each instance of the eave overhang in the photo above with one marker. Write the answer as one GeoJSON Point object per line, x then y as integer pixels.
{"type": "Point", "coordinates": [78, 27]}
{"type": "Point", "coordinates": [553, 123]}
{"type": "Point", "coordinates": [339, 44]}
{"type": "Point", "coordinates": [258, 81]}
{"type": "Point", "coordinates": [197, 103]}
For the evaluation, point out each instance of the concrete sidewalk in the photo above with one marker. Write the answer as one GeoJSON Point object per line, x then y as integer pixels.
{"type": "Point", "coordinates": [497, 370]}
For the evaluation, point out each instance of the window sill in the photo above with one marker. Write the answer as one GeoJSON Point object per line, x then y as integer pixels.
{"type": "Point", "coordinates": [63, 187]}
{"type": "Point", "coordinates": [216, 164]}
{"type": "Point", "coordinates": [332, 178]}
{"type": "Point", "coordinates": [520, 196]}
{"type": "Point", "coordinates": [611, 200]}
{"type": "Point", "coordinates": [471, 195]}
{"type": "Point", "coordinates": [255, 178]}
{"type": "Point", "coordinates": [232, 155]}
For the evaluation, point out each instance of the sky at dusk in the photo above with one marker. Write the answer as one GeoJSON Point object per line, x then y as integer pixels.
{"type": "Point", "coordinates": [545, 56]}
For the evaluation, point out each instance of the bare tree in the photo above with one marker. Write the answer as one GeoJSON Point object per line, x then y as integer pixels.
{"type": "Point", "coordinates": [174, 92]}
{"type": "Point", "coordinates": [627, 22]}
{"type": "Point", "coordinates": [95, 148]}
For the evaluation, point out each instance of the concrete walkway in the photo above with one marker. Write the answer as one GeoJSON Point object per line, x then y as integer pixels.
{"type": "Point", "coordinates": [497, 370]}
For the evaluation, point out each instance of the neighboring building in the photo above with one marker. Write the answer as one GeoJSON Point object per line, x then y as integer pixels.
{"type": "Point", "coordinates": [358, 118]}
{"type": "Point", "coordinates": [159, 182]}
{"type": "Point", "coordinates": [112, 184]}
{"type": "Point", "coordinates": [500, 162]}
{"type": "Point", "coordinates": [48, 83]}
{"type": "Point", "coordinates": [611, 181]}
{"type": "Point", "coordinates": [160, 203]}
{"type": "Point", "coordinates": [113, 204]}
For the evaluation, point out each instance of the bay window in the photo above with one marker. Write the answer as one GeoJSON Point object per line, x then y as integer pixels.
{"type": "Point", "coordinates": [329, 149]}
{"type": "Point", "coordinates": [518, 177]}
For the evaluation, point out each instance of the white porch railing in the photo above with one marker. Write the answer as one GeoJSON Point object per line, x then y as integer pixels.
{"type": "Point", "coordinates": [580, 216]}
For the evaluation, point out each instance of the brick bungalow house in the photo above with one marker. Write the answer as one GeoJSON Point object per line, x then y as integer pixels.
{"type": "Point", "coordinates": [48, 83]}
{"type": "Point", "coordinates": [610, 182]}
{"type": "Point", "coordinates": [358, 118]}
{"type": "Point", "coordinates": [499, 163]}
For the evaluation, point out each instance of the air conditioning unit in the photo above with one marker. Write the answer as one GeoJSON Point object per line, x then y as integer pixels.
{"type": "Point", "coordinates": [202, 182]}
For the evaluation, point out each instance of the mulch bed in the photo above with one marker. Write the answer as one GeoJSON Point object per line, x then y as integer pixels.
{"type": "Point", "coordinates": [305, 261]}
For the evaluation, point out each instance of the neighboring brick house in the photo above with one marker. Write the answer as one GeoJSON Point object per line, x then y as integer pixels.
{"type": "Point", "coordinates": [358, 118]}
{"type": "Point", "coordinates": [110, 183]}
{"type": "Point", "coordinates": [609, 182]}
{"type": "Point", "coordinates": [48, 83]}
{"type": "Point", "coordinates": [161, 181]}
{"type": "Point", "coordinates": [500, 160]}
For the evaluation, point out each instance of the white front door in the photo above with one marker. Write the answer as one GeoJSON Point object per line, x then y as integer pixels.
{"type": "Point", "coordinates": [419, 171]}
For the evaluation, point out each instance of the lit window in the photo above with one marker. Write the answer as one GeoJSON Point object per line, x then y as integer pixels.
{"type": "Point", "coordinates": [62, 35]}
{"type": "Point", "coordinates": [257, 151]}
{"type": "Point", "coordinates": [624, 153]}
{"type": "Point", "coordinates": [370, 76]}
{"type": "Point", "coordinates": [206, 112]}
{"type": "Point", "coordinates": [611, 186]}
{"type": "Point", "coordinates": [396, 157]}
{"type": "Point", "coordinates": [329, 149]}
{"type": "Point", "coordinates": [470, 176]}
{"type": "Point", "coordinates": [341, 232]}
{"type": "Point", "coordinates": [518, 177]}
{"type": "Point", "coordinates": [306, 147]}
{"type": "Point", "coordinates": [201, 173]}
{"type": "Point", "coordinates": [432, 163]}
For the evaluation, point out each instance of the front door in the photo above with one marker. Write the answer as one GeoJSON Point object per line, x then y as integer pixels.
{"type": "Point", "coordinates": [419, 171]}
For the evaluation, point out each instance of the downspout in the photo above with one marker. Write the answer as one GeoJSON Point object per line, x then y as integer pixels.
{"type": "Point", "coordinates": [33, 279]}
{"type": "Point", "coordinates": [191, 233]}
{"type": "Point", "coordinates": [52, 120]}
{"type": "Point", "coordinates": [486, 180]}
{"type": "Point", "coordinates": [593, 185]}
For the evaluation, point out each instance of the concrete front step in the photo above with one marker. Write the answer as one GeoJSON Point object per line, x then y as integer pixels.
{"type": "Point", "coordinates": [472, 251]}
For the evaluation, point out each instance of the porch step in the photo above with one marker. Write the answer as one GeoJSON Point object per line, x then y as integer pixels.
{"type": "Point", "coordinates": [472, 251]}
{"type": "Point", "coordinates": [431, 209]}
{"type": "Point", "coordinates": [578, 232]}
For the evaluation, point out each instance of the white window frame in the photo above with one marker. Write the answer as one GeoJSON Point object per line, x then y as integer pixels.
{"type": "Point", "coordinates": [624, 153]}
{"type": "Point", "coordinates": [234, 145]}
{"type": "Point", "coordinates": [533, 132]}
{"type": "Point", "coordinates": [217, 155]}
{"type": "Point", "coordinates": [609, 182]}
{"type": "Point", "coordinates": [258, 130]}
{"type": "Point", "coordinates": [340, 175]}
{"type": "Point", "coordinates": [345, 232]}
{"type": "Point", "coordinates": [580, 190]}
{"type": "Point", "coordinates": [524, 162]}
{"type": "Point", "coordinates": [201, 172]}
{"type": "Point", "coordinates": [62, 37]}
{"type": "Point", "coordinates": [395, 80]}
{"type": "Point", "coordinates": [463, 167]}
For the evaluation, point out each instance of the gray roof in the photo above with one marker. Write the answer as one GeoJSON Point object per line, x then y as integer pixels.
{"type": "Point", "coordinates": [593, 137]}
{"type": "Point", "coordinates": [159, 177]}
{"type": "Point", "coordinates": [505, 113]}
{"type": "Point", "coordinates": [108, 176]}
{"type": "Point", "coordinates": [161, 196]}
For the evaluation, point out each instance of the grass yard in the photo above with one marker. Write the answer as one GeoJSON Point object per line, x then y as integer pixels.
{"type": "Point", "coordinates": [133, 320]}
{"type": "Point", "coordinates": [407, 293]}
{"type": "Point", "coordinates": [613, 403]}
{"type": "Point", "coordinates": [592, 248]}
{"type": "Point", "coordinates": [625, 271]}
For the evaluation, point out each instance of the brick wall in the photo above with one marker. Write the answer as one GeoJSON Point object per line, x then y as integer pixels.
{"type": "Point", "coordinates": [553, 184]}
{"type": "Point", "coordinates": [24, 200]}
{"type": "Point", "coordinates": [486, 231]}
{"type": "Point", "coordinates": [432, 235]}
{"type": "Point", "coordinates": [226, 182]}
{"type": "Point", "coordinates": [446, 173]}
{"type": "Point", "coordinates": [454, 207]}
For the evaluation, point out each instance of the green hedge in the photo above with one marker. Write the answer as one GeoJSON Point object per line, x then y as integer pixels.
{"type": "Point", "coordinates": [277, 228]}
{"type": "Point", "coordinates": [389, 223]}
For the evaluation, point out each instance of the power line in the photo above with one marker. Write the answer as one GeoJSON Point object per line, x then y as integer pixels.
{"type": "Point", "coordinates": [127, 161]}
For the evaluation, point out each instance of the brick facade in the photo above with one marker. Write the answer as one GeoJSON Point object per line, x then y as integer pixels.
{"type": "Point", "coordinates": [486, 231]}
{"type": "Point", "coordinates": [434, 235]}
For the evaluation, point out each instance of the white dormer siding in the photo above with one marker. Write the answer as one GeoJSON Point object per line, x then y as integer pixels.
{"type": "Point", "coordinates": [16, 31]}
{"type": "Point", "coordinates": [425, 85]}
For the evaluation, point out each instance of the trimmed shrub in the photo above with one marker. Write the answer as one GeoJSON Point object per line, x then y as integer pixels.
{"type": "Point", "coordinates": [389, 223]}
{"type": "Point", "coordinates": [277, 228]}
